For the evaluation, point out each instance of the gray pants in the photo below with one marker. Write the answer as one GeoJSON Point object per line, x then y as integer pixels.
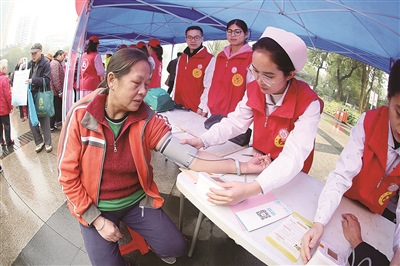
{"type": "Point", "coordinates": [44, 123]}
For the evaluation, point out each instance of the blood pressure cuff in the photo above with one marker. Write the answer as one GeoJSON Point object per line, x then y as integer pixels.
{"type": "Point", "coordinates": [177, 152]}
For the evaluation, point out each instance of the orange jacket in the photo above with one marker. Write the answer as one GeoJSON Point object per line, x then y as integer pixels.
{"type": "Point", "coordinates": [81, 154]}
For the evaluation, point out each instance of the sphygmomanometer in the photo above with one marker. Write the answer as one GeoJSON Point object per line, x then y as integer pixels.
{"type": "Point", "coordinates": [181, 154]}
{"type": "Point", "coordinates": [184, 154]}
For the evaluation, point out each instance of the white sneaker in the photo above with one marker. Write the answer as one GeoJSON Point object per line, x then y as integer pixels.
{"type": "Point", "coordinates": [49, 148]}
{"type": "Point", "coordinates": [39, 147]}
{"type": "Point", "coordinates": [169, 260]}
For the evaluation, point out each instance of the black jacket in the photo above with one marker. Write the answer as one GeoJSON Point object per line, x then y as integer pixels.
{"type": "Point", "coordinates": [43, 72]}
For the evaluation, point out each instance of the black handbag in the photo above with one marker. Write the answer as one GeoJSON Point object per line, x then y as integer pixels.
{"type": "Point", "coordinates": [241, 140]}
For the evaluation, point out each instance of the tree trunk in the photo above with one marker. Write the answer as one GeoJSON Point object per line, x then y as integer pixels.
{"type": "Point", "coordinates": [364, 82]}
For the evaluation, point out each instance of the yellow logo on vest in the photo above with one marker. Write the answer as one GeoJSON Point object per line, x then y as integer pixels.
{"type": "Point", "coordinates": [384, 197]}
{"type": "Point", "coordinates": [281, 138]}
{"type": "Point", "coordinates": [197, 73]}
{"type": "Point", "coordinates": [237, 79]}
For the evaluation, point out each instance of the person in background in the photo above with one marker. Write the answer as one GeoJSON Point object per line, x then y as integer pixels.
{"type": "Point", "coordinates": [57, 76]}
{"type": "Point", "coordinates": [284, 111]}
{"type": "Point", "coordinates": [5, 105]}
{"type": "Point", "coordinates": [142, 46]}
{"type": "Point", "coordinates": [368, 169]}
{"type": "Point", "coordinates": [22, 109]}
{"type": "Point", "coordinates": [92, 68]}
{"type": "Point", "coordinates": [39, 73]}
{"type": "Point", "coordinates": [230, 75]}
{"type": "Point", "coordinates": [155, 51]}
{"type": "Point", "coordinates": [109, 53]}
{"type": "Point", "coordinates": [171, 68]}
{"type": "Point", "coordinates": [193, 74]}
{"type": "Point", "coordinates": [122, 46]}
{"type": "Point", "coordinates": [49, 56]}
{"type": "Point", "coordinates": [104, 156]}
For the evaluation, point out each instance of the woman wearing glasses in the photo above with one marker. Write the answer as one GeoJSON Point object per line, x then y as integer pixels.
{"type": "Point", "coordinates": [229, 77]}
{"type": "Point", "coordinates": [284, 111]}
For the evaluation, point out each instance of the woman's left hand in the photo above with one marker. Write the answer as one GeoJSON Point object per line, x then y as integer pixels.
{"type": "Point", "coordinates": [109, 231]}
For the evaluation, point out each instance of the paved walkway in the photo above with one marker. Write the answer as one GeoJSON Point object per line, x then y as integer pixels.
{"type": "Point", "coordinates": [37, 228]}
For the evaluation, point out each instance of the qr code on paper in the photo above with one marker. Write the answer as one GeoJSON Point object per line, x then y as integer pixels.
{"type": "Point", "coordinates": [263, 214]}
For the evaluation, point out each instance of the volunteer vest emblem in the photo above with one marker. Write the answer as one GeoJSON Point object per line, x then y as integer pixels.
{"type": "Point", "coordinates": [84, 64]}
{"type": "Point", "coordinates": [197, 71]}
{"type": "Point", "coordinates": [281, 138]}
{"type": "Point", "coordinates": [237, 79]}
{"type": "Point", "coordinates": [385, 196]}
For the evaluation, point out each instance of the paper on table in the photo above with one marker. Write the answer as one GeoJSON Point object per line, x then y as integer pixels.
{"type": "Point", "coordinates": [250, 203]}
{"type": "Point", "coordinates": [263, 215]}
{"type": "Point", "coordinates": [287, 236]}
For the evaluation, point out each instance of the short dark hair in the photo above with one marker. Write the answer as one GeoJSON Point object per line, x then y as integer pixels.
{"type": "Point", "coordinates": [194, 28]}
{"type": "Point", "coordinates": [240, 23]}
{"type": "Point", "coordinates": [394, 80]}
{"type": "Point", "coordinates": [276, 52]}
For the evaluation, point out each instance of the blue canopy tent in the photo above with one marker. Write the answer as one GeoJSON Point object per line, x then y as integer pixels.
{"type": "Point", "coordinates": [368, 31]}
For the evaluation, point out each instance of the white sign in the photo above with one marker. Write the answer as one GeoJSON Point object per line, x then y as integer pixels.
{"type": "Point", "coordinates": [373, 98]}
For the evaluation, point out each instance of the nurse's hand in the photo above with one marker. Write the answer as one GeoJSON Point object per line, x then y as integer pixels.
{"type": "Point", "coordinates": [195, 142]}
{"type": "Point", "coordinates": [309, 240]}
{"type": "Point", "coordinates": [234, 192]}
{"type": "Point", "coordinates": [200, 112]}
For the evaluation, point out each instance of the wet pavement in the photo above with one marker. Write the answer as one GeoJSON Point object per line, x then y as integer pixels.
{"type": "Point", "coordinates": [37, 228]}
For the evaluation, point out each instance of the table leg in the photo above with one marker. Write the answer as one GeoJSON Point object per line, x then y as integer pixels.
{"type": "Point", "coordinates": [196, 233]}
{"type": "Point", "coordinates": [181, 205]}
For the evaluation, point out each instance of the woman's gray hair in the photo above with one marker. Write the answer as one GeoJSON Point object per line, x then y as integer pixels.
{"type": "Point", "coordinates": [3, 64]}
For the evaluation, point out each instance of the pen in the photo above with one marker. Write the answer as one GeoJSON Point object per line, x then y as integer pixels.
{"type": "Point", "coordinates": [249, 155]}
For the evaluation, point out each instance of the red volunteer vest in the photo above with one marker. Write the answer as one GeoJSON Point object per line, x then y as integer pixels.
{"type": "Point", "coordinates": [270, 133]}
{"type": "Point", "coordinates": [228, 83]}
{"type": "Point", "coordinates": [89, 78]}
{"type": "Point", "coordinates": [189, 80]}
{"type": "Point", "coordinates": [371, 187]}
{"type": "Point", "coordinates": [155, 81]}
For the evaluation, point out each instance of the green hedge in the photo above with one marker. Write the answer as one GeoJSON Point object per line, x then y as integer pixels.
{"type": "Point", "coordinates": [331, 107]}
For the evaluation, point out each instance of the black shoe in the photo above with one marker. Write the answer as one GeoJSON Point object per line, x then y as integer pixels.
{"type": "Point", "coordinates": [1, 169]}
{"type": "Point", "coordinates": [11, 142]}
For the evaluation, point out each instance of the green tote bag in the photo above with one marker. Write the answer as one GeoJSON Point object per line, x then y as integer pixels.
{"type": "Point", "coordinates": [44, 101]}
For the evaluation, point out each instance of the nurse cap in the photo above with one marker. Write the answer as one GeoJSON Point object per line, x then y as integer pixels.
{"type": "Point", "coordinates": [293, 45]}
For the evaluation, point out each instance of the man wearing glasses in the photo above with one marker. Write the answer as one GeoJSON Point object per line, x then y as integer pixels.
{"type": "Point", "coordinates": [193, 76]}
